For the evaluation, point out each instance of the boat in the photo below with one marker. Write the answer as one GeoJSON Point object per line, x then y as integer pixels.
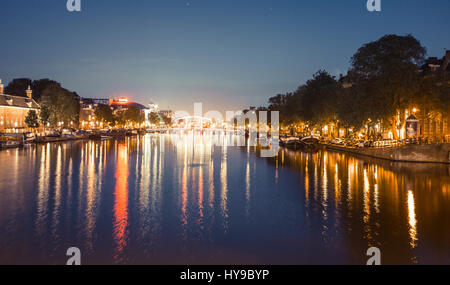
{"type": "Point", "coordinates": [30, 138]}
{"type": "Point", "coordinates": [289, 141]}
{"type": "Point", "coordinates": [11, 144]}
{"type": "Point", "coordinates": [68, 135]}
{"type": "Point", "coordinates": [131, 133]}
{"type": "Point", "coordinates": [80, 134]}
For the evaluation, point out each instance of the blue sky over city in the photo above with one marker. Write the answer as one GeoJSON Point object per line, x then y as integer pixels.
{"type": "Point", "coordinates": [226, 54]}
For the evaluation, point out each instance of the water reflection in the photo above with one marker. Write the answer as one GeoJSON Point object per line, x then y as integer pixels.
{"type": "Point", "coordinates": [121, 201]}
{"type": "Point", "coordinates": [378, 194]}
{"type": "Point", "coordinates": [171, 199]}
{"type": "Point", "coordinates": [412, 219]}
{"type": "Point", "coordinates": [224, 189]}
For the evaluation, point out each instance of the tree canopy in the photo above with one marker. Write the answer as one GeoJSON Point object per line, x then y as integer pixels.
{"type": "Point", "coordinates": [383, 81]}
{"type": "Point", "coordinates": [319, 97]}
{"type": "Point", "coordinates": [32, 120]}
{"type": "Point", "coordinates": [63, 105]}
{"type": "Point", "coordinates": [154, 118]}
{"type": "Point", "coordinates": [104, 114]}
{"type": "Point", "coordinates": [133, 115]}
{"type": "Point", "coordinates": [18, 87]}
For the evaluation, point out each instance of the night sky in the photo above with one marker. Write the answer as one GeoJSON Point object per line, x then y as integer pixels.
{"type": "Point", "coordinates": [227, 54]}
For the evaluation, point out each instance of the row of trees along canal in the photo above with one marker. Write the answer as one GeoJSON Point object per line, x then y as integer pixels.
{"type": "Point", "coordinates": [132, 115]}
{"type": "Point", "coordinates": [383, 81]}
{"type": "Point", "coordinates": [61, 107]}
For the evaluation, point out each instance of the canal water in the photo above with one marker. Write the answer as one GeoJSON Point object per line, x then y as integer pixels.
{"type": "Point", "coordinates": [171, 199]}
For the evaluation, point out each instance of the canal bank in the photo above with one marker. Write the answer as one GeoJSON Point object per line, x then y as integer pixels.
{"type": "Point", "coordinates": [409, 153]}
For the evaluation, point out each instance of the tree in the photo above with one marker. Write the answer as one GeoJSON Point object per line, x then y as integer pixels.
{"type": "Point", "coordinates": [38, 87]}
{"type": "Point", "coordinates": [44, 115]}
{"type": "Point", "coordinates": [351, 109]}
{"type": "Point", "coordinates": [18, 87]}
{"type": "Point", "coordinates": [319, 97]}
{"type": "Point", "coordinates": [120, 118]}
{"type": "Point", "coordinates": [166, 119]}
{"type": "Point", "coordinates": [32, 120]}
{"type": "Point", "coordinates": [385, 72]}
{"type": "Point", "coordinates": [288, 105]}
{"type": "Point", "coordinates": [133, 114]}
{"type": "Point", "coordinates": [391, 55]}
{"type": "Point", "coordinates": [154, 118]}
{"type": "Point", "coordinates": [63, 105]}
{"type": "Point", "coordinates": [434, 93]}
{"type": "Point", "coordinates": [104, 114]}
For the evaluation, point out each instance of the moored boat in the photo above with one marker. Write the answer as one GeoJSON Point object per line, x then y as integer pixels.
{"type": "Point", "coordinates": [11, 144]}
{"type": "Point", "coordinates": [289, 141]}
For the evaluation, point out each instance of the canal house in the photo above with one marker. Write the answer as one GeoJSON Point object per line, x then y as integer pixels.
{"type": "Point", "coordinates": [14, 110]}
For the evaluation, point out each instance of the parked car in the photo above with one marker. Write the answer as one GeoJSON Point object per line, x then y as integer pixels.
{"type": "Point", "coordinates": [30, 137]}
{"type": "Point", "coordinates": [81, 133]}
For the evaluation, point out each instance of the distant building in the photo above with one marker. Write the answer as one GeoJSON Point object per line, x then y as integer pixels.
{"type": "Point", "coordinates": [122, 104]}
{"type": "Point", "coordinates": [14, 110]}
{"type": "Point", "coordinates": [434, 64]}
{"type": "Point", "coordinates": [344, 81]}
{"type": "Point", "coordinates": [94, 101]}
{"type": "Point", "coordinates": [89, 105]}
{"type": "Point", "coordinates": [87, 110]}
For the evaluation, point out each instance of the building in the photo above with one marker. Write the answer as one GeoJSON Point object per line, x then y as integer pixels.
{"type": "Point", "coordinates": [89, 105]}
{"type": "Point", "coordinates": [123, 104]}
{"type": "Point", "coordinates": [434, 125]}
{"type": "Point", "coordinates": [87, 110]}
{"type": "Point", "coordinates": [14, 110]}
{"type": "Point", "coordinates": [434, 64]}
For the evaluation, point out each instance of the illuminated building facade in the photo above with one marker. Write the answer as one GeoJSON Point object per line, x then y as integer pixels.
{"type": "Point", "coordinates": [14, 110]}
{"type": "Point", "coordinates": [435, 124]}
